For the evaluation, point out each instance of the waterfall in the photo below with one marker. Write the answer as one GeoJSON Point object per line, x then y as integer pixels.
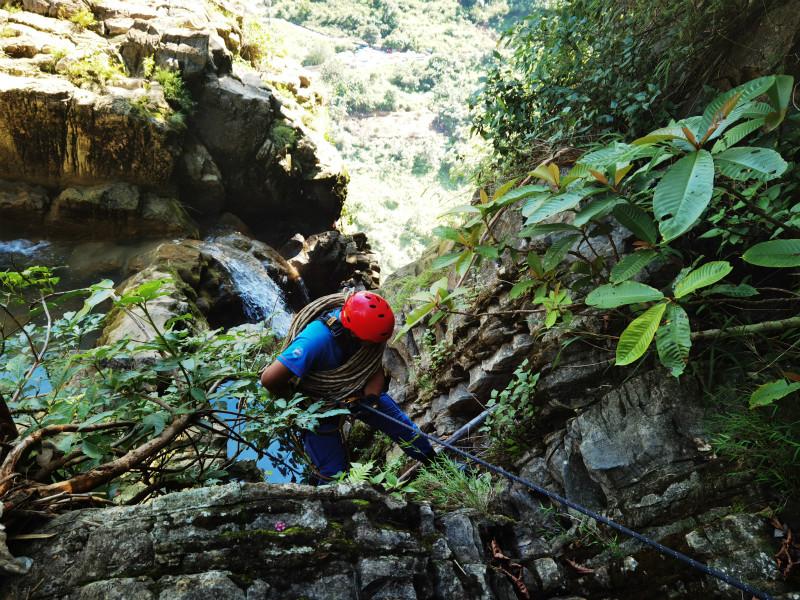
{"type": "Point", "coordinates": [262, 298]}
{"type": "Point", "coordinates": [22, 248]}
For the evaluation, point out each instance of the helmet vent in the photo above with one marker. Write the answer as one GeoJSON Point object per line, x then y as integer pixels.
{"type": "Point", "coordinates": [381, 315]}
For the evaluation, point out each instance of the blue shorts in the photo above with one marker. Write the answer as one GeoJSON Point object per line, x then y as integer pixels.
{"type": "Point", "coordinates": [326, 448]}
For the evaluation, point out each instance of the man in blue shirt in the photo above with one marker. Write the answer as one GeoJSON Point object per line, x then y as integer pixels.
{"type": "Point", "coordinates": [365, 318]}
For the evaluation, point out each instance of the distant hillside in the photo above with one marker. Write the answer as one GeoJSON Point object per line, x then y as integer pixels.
{"type": "Point", "coordinates": [398, 75]}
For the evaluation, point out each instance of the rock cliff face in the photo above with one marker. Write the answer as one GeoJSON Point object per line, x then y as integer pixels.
{"type": "Point", "coordinates": [264, 542]}
{"type": "Point", "coordinates": [629, 444]}
{"type": "Point", "coordinates": [81, 114]}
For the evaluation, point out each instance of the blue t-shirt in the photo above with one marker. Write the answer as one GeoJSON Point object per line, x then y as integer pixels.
{"type": "Point", "coordinates": [314, 349]}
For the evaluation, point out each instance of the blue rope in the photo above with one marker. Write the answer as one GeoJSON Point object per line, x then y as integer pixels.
{"type": "Point", "coordinates": [589, 513]}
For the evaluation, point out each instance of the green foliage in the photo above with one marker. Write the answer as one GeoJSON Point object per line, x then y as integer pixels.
{"type": "Point", "coordinates": [576, 69]}
{"type": "Point", "coordinates": [84, 18]}
{"type": "Point", "coordinates": [764, 442]}
{"type": "Point", "coordinates": [767, 393]}
{"type": "Point", "coordinates": [283, 136]}
{"type": "Point", "coordinates": [258, 46]}
{"type": "Point", "coordinates": [95, 70]}
{"type": "Point", "coordinates": [638, 335]}
{"type": "Point", "coordinates": [776, 253]}
{"type": "Point", "coordinates": [664, 183]}
{"type": "Point", "coordinates": [386, 479]}
{"type": "Point", "coordinates": [447, 486]}
{"type": "Point", "coordinates": [175, 91]}
{"type": "Point", "coordinates": [510, 424]}
{"type": "Point", "coordinates": [98, 403]}
{"type": "Point", "coordinates": [178, 97]}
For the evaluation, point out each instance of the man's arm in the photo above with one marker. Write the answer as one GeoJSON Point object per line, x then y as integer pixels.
{"type": "Point", "coordinates": [276, 379]}
{"type": "Point", "coordinates": [374, 385]}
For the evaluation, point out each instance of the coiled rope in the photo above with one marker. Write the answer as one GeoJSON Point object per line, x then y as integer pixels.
{"type": "Point", "coordinates": [585, 511]}
{"type": "Point", "coordinates": [347, 380]}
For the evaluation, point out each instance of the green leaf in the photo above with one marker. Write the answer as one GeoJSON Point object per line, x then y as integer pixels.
{"type": "Point", "coordinates": [742, 164]}
{"type": "Point", "coordinates": [521, 193]}
{"type": "Point", "coordinates": [490, 252]}
{"type": "Point", "coordinates": [65, 443]}
{"type": "Point", "coordinates": [746, 92]}
{"type": "Point", "coordinates": [547, 229]}
{"type": "Point", "coordinates": [464, 208]}
{"type": "Point", "coordinates": [673, 340]}
{"type": "Point", "coordinates": [614, 153]}
{"type": "Point", "coordinates": [157, 420]}
{"type": "Point", "coordinates": [556, 252]}
{"type": "Point", "coordinates": [447, 233]}
{"type": "Point", "coordinates": [521, 287]}
{"type": "Point", "coordinates": [150, 290]}
{"type": "Point", "coordinates": [703, 276]}
{"type": "Point", "coordinates": [100, 292]}
{"type": "Point", "coordinates": [766, 394]}
{"type": "Point", "coordinates": [638, 336]}
{"type": "Point", "coordinates": [734, 291]}
{"type": "Point", "coordinates": [536, 212]}
{"type": "Point", "coordinates": [736, 135]}
{"type": "Point", "coordinates": [627, 292]}
{"type": "Point", "coordinates": [684, 193]}
{"type": "Point", "coordinates": [440, 262]}
{"type": "Point", "coordinates": [91, 450]}
{"type": "Point", "coordinates": [631, 265]}
{"type": "Point", "coordinates": [95, 419]}
{"type": "Point", "coordinates": [596, 208]}
{"type": "Point", "coordinates": [780, 95]}
{"type": "Point", "coordinates": [637, 221]}
{"type": "Point", "coordinates": [414, 317]}
{"type": "Point", "coordinates": [775, 253]}
{"type": "Point", "coordinates": [535, 264]}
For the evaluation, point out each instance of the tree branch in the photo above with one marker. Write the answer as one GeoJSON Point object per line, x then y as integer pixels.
{"type": "Point", "coordinates": [753, 328]}
{"type": "Point", "coordinates": [10, 462]}
{"type": "Point", "coordinates": [85, 482]}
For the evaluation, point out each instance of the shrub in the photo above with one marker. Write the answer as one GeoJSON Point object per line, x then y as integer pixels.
{"type": "Point", "coordinates": [94, 70]}
{"type": "Point", "coordinates": [448, 486]}
{"type": "Point", "coordinates": [283, 136]}
{"type": "Point", "coordinates": [576, 69]}
{"type": "Point", "coordinates": [84, 18]}
{"type": "Point", "coordinates": [175, 91]}
{"type": "Point", "coordinates": [318, 54]}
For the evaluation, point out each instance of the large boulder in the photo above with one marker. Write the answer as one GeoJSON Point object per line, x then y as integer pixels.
{"type": "Point", "coordinates": [332, 261]}
{"type": "Point", "coordinates": [266, 160]}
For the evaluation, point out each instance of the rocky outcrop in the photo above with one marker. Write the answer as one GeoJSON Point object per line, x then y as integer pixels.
{"type": "Point", "coordinates": [332, 261]}
{"type": "Point", "coordinates": [630, 445]}
{"type": "Point", "coordinates": [259, 541]}
{"type": "Point", "coordinates": [81, 107]}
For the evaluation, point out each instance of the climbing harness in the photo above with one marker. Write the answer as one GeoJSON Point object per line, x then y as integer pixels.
{"type": "Point", "coordinates": [585, 511]}
{"type": "Point", "coordinates": [343, 382]}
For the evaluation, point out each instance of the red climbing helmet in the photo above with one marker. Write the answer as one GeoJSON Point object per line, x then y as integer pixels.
{"type": "Point", "coordinates": [368, 317]}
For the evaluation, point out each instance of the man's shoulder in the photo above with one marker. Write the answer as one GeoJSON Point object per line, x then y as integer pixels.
{"type": "Point", "coordinates": [316, 331]}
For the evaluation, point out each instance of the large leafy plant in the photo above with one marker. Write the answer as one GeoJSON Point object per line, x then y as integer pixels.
{"type": "Point", "coordinates": [664, 188]}
{"type": "Point", "coordinates": [124, 420]}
